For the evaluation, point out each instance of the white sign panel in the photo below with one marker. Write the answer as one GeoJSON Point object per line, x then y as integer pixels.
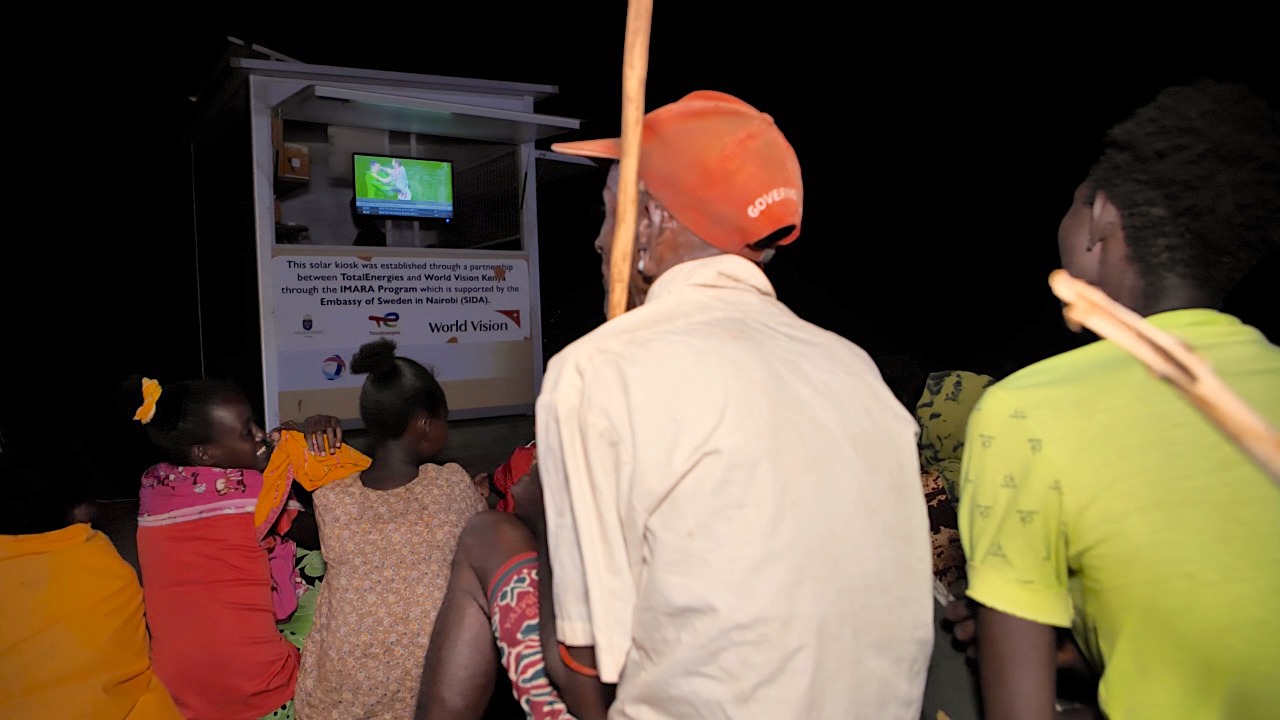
{"type": "Point", "coordinates": [326, 307]}
{"type": "Point", "coordinates": [430, 300]}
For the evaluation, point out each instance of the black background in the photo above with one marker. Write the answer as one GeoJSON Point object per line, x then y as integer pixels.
{"type": "Point", "coordinates": [940, 150]}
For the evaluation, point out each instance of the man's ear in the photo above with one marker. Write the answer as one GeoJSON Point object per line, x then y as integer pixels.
{"type": "Point", "coordinates": [1105, 221]}
{"type": "Point", "coordinates": [649, 218]}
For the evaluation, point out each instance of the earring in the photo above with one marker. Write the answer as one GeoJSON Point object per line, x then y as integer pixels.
{"type": "Point", "coordinates": [640, 264]}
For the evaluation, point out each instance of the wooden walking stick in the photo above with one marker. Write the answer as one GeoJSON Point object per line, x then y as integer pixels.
{"type": "Point", "coordinates": [1171, 360]}
{"type": "Point", "coordinates": [635, 70]}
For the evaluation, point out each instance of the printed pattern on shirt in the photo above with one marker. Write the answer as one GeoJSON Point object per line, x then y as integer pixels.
{"type": "Point", "coordinates": [1011, 509]}
{"type": "Point", "coordinates": [514, 613]}
{"type": "Point", "coordinates": [389, 555]}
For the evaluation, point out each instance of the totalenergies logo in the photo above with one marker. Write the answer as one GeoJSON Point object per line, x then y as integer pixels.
{"type": "Point", "coordinates": [388, 321]}
{"type": "Point", "coordinates": [332, 367]}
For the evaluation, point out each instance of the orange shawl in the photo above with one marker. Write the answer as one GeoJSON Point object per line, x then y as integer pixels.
{"type": "Point", "coordinates": [72, 632]}
{"type": "Point", "coordinates": [292, 462]}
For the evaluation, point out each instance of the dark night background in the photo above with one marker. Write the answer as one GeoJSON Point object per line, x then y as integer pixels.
{"type": "Point", "coordinates": [939, 150]}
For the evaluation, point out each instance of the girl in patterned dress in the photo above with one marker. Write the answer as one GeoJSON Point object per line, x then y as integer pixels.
{"type": "Point", "coordinates": [388, 534]}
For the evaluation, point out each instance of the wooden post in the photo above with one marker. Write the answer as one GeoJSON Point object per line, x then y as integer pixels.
{"type": "Point", "coordinates": [635, 70]}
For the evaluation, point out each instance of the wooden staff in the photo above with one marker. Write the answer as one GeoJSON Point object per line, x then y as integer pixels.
{"type": "Point", "coordinates": [1171, 360]}
{"type": "Point", "coordinates": [635, 69]}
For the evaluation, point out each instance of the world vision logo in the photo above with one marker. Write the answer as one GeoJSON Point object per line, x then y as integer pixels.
{"type": "Point", "coordinates": [513, 314]}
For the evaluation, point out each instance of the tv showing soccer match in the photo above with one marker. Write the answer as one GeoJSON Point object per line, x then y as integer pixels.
{"type": "Point", "coordinates": [403, 187]}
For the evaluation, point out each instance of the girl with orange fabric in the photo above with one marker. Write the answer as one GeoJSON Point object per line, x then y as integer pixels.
{"type": "Point", "coordinates": [215, 584]}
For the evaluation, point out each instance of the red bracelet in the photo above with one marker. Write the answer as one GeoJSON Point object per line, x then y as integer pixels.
{"type": "Point", "coordinates": [576, 666]}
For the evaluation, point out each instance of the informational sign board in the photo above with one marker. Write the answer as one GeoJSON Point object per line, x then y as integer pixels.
{"type": "Point", "coordinates": [468, 319]}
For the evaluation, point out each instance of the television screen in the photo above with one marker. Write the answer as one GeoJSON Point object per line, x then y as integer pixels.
{"type": "Point", "coordinates": [389, 186]}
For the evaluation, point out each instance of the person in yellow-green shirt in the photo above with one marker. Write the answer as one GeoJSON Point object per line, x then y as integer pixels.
{"type": "Point", "coordinates": [1093, 495]}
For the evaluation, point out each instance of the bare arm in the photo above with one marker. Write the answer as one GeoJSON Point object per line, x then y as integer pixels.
{"type": "Point", "coordinates": [1018, 666]}
{"type": "Point", "coordinates": [462, 659]}
{"type": "Point", "coordinates": [586, 696]}
{"type": "Point", "coordinates": [461, 663]}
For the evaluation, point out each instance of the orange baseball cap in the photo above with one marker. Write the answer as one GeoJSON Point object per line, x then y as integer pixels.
{"type": "Point", "coordinates": [721, 167]}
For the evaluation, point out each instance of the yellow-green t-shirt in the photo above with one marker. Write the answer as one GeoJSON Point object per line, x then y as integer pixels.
{"type": "Point", "coordinates": [1094, 496]}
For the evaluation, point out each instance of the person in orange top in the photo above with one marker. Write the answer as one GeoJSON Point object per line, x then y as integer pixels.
{"type": "Point", "coordinates": [216, 582]}
{"type": "Point", "coordinates": [73, 638]}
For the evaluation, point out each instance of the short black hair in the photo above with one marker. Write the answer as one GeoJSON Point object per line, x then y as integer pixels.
{"type": "Point", "coordinates": [44, 475]}
{"type": "Point", "coordinates": [184, 413]}
{"type": "Point", "coordinates": [1195, 174]}
{"type": "Point", "coordinates": [396, 388]}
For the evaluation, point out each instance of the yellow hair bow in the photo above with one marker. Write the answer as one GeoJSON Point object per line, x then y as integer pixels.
{"type": "Point", "coordinates": [150, 394]}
